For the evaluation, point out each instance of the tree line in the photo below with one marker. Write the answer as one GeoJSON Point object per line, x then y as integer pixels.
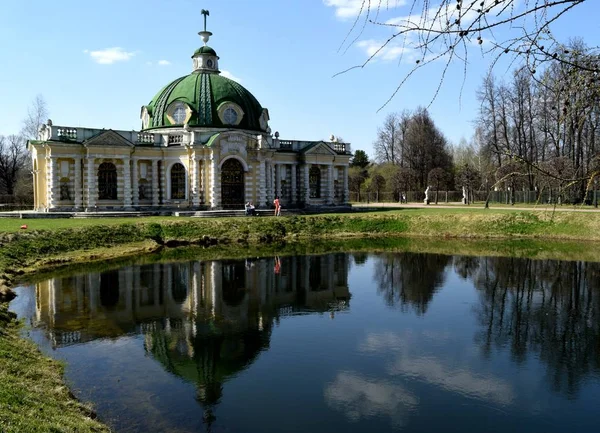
{"type": "Point", "coordinates": [537, 132]}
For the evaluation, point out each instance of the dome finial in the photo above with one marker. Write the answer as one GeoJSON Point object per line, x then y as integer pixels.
{"type": "Point", "coordinates": [205, 35]}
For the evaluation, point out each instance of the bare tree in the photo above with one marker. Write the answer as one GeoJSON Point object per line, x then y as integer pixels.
{"type": "Point", "coordinates": [451, 29]}
{"type": "Point", "coordinates": [13, 158]}
{"type": "Point", "coordinates": [389, 145]}
{"type": "Point", "coordinates": [37, 113]}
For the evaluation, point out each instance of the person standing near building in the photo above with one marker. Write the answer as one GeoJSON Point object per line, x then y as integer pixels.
{"type": "Point", "coordinates": [277, 206]}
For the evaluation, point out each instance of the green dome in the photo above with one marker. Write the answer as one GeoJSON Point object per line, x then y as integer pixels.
{"type": "Point", "coordinates": [204, 93]}
{"type": "Point", "coordinates": [205, 50]}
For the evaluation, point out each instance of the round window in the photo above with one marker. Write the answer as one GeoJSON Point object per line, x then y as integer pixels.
{"type": "Point", "coordinates": [209, 63]}
{"type": "Point", "coordinates": [230, 116]}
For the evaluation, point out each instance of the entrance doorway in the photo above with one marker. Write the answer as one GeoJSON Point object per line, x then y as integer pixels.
{"type": "Point", "coordinates": [232, 184]}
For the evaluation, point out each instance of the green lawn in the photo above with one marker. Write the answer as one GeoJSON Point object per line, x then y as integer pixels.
{"type": "Point", "coordinates": [14, 225]}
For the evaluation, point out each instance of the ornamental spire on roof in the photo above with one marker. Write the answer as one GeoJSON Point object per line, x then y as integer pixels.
{"type": "Point", "coordinates": [204, 34]}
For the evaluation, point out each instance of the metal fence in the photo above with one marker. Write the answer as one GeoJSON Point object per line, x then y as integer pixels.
{"type": "Point", "coordinates": [498, 197]}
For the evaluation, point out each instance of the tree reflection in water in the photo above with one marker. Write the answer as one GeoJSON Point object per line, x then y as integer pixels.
{"type": "Point", "coordinates": [543, 307]}
{"type": "Point", "coordinates": [549, 307]}
{"type": "Point", "coordinates": [409, 279]}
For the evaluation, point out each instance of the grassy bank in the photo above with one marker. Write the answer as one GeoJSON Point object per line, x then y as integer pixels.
{"type": "Point", "coordinates": [33, 396]}
{"type": "Point", "coordinates": [30, 383]}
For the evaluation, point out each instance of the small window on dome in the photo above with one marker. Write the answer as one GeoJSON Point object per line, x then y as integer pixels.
{"type": "Point", "coordinates": [230, 113]}
{"type": "Point", "coordinates": [230, 116]}
{"type": "Point", "coordinates": [179, 114]}
{"type": "Point", "coordinates": [209, 63]}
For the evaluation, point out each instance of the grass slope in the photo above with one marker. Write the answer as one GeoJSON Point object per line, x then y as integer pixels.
{"type": "Point", "coordinates": [33, 396]}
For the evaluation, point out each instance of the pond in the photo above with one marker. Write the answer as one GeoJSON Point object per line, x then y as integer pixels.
{"type": "Point", "coordinates": [358, 342]}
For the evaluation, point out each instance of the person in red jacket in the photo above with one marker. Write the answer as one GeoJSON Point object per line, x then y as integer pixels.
{"type": "Point", "coordinates": [277, 206]}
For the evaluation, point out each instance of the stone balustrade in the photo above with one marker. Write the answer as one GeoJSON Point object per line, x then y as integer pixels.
{"type": "Point", "coordinates": [159, 139]}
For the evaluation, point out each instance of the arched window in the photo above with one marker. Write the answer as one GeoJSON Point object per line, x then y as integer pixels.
{"type": "Point", "coordinates": [107, 181]}
{"type": "Point", "coordinates": [177, 182]}
{"type": "Point", "coordinates": [314, 182]}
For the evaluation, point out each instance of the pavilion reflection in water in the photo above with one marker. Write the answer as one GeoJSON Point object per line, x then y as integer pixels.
{"type": "Point", "coordinates": [204, 321]}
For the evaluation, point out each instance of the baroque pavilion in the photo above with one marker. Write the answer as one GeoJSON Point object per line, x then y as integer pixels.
{"type": "Point", "coordinates": [205, 143]}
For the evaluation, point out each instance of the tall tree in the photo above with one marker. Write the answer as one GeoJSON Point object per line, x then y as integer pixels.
{"type": "Point", "coordinates": [360, 159]}
{"type": "Point", "coordinates": [425, 147]}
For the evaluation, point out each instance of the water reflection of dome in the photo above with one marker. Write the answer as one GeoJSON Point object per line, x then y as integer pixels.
{"type": "Point", "coordinates": [209, 358]}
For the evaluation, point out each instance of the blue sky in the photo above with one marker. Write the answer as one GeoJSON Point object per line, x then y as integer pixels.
{"type": "Point", "coordinates": [97, 63]}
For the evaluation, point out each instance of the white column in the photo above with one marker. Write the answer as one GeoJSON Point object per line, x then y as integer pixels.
{"type": "Point", "coordinates": [91, 183]}
{"type": "Point", "coordinates": [268, 197]}
{"type": "Point", "coordinates": [78, 188]}
{"type": "Point", "coordinates": [278, 179]}
{"type": "Point", "coordinates": [202, 180]}
{"type": "Point", "coordinates": [293, 175]}
{"type": "Point", "coordinates": [346, 192]}
{"type": "Point", "coordinates": [306, 185]}
{"type": "Point", "coordinates": [155, 187]}
{"type": "Point", "coordinates": [162, 182]}
{"type": "Point", "coordinates": [52, 182]}
{"type": "Point", "coordinates": [136, 183]}
{"type": "Point", "coordinates": [262, 187]}
{"type": "Point", "coordinates": [215, 191]}
{"type": "Point", "coordinates": [195, 183]}
{"type": "Point", "coordinates": [127, 183]}
{"type": "Point", "coordinates": [330, 185]}
{"type": "Point", "coordinates": [272, 181]}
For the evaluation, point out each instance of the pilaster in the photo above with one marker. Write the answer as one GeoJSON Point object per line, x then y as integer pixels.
{"type": "Point", "coordinates": [278, 179]}
{"type": "Point", "coordinates": [215, 191]}
{"type": "Point", "coordinates": [127, 183]}
{"type": "Point", "coordinates": [261, 182]}
{"type": "Point", "coordinates": [330, 185]}
{"type": "Point", "coordinates": [52, 182]}
{"type": "Point", "coordinates": [136, 182]}
{"type": "Point", "coordinates": [306, 184]}
{"type": "Point", "coordinates": [91, 183]}
{"type": "Point", "coordinates": [78, 187]}
{"type": "Point", "coordinates": [293, 180]}
{"type": "Point", "coordinates": [195, 183]}
{"type": "Point", "coordinates": [346, 192]}
{"type": "Point", "coordinates": [155, 185]}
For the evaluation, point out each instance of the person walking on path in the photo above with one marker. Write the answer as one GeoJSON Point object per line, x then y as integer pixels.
{"type": "Point", "coordinates": [277, 206]}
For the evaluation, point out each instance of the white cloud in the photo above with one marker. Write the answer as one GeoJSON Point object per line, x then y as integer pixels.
{"type": "Point", "coordinates": [360, 397]}
{"type": "Point", "coordinates": [164, 62]}
{"type": "Point", "coordinates": [390, 52]}
{"type": "Point", "coordinates": [460, 381]}
{"type": "Point", "coordinates": [351, 8]}
{"type": "Point", "coordinates": [229, 75]}
{"type": "Point", "coordinates": [109, 56]}
{"type": "Point", "coordinates": [442, 373]}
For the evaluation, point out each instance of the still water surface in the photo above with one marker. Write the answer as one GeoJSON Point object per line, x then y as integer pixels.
{"type": "Point", "coordinates": [339, 342]}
